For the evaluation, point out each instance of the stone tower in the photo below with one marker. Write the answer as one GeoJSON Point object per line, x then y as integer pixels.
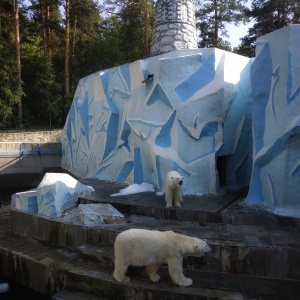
{"type": "Point", "coordinates": [174, 26]}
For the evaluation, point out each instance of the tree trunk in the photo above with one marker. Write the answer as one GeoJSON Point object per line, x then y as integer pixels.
{"type": "Point", "coordinates": [216, 24]}
{"type": "Point", "coordinates": [74, 27]}
{"type": "Point", "coordinates": [49, 43]}
{"type": "Point", "coordinates": [17, 40]}
{"type": "Point", "coordinates": [146, 16]}
{"type": "Point", "coordinates": [67, 49]}
{"type": "Point", "coordinates": [44, 27]}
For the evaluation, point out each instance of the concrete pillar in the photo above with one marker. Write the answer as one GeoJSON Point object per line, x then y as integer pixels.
{"type": "Point", "coordinates": [174, 26]}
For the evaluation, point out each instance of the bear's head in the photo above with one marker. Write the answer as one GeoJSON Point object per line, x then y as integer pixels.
{"type": "Point", "coordinates": [195, 247]}
{"type": "Point", "coordinates": [177, 178]}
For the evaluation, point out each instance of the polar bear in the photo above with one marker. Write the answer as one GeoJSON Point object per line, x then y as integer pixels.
{"type": "Point", "coordinates": [151, 248]}
{"type": "Point", "coordinates": [173, 189]}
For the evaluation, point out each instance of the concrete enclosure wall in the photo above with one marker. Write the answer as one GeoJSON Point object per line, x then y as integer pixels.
{"type": "Point", "coordinates": [192, 111]}
{"type": "Point", "coordinates": [192, 116]}
{"type": "Point", "coordinates": [275, 78]}
{"type": "Point", "coordinates": [26, 156]}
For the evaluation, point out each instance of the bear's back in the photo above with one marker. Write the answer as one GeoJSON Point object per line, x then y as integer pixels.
{"type": "Point", "coordinates": [140, 247]}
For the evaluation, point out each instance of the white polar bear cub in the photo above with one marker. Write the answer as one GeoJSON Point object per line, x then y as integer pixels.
{"type": "Point", "coordinates": [173, 189]}
{"type": "Point", "coordinates": [151, 248]}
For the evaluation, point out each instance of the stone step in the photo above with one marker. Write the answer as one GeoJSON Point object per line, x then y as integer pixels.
{"type": "Point", "coordinates": [48, 269]}
{"type": "Point", "coordinates": [233, 258]}
{"type": "Point", "coordinates": [206, 285]}
{"type": "Point", "coordinates": [240, 213]}
{"type": "Point", "coordinates": [75, 294]}
{"type": "Point", "coordinates": [101, 254]}
{"type": "Point", "coordinates": [227, 207]}
{"type": "Point", "coordinates": [239, 249]}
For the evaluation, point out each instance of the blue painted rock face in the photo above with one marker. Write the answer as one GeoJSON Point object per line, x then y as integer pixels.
{"type": "Point", "coordinates": [196, 108]}
{"type": "Point", "coordinates": [275, 79]}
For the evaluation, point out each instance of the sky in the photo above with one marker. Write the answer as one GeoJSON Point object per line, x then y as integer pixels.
{"type": "Point", "coordinates": [235, 33]}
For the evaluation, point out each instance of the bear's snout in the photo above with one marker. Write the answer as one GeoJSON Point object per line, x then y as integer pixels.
{"type": "Point", "coordinates": [180, 182]}
{"type": "Point", "coordinates": [207, 249]}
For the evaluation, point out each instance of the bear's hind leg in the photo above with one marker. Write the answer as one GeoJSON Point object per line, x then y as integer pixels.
{"type": "Point", "coordinates": [151, 271]}
{"type": "Point", "coordinates": [176, 272]}
{"type": "Point", "coordinates": [120, 271]}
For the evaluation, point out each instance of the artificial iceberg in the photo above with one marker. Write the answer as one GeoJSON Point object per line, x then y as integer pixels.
{"type": "Point", "coordinates": [220, 119]}
{"type": "Point", "coordinates": [193, 116]}
{"type": "Point", "coordinates": [275, 78]}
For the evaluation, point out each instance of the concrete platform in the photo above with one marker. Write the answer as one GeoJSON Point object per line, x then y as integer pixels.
{"type": "Point", "coordinates": [206, 208]}
{"type": "Point", "coordinates": [247, 261]}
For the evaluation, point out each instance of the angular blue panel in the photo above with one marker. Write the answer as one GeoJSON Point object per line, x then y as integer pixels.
{"type": "Point", "coordinates": [71, 123]}
{"type": "Point", "coordinates": [159, 95]}
{"type": "Point", "coordinates": [84, 115]}
{"type": "Point", "coordinates": [112, 135]}
{"type": "Point", "coordinates": [105, 79]}
{"type": "Point", "coordinates": [138, 167]}
{"type": "Point", "coordinates": [125, 71]}
{"type": "Point", "coordinates": [159, 175]}
{"type": "Point", "coordinates": [291, 96]}
{"type": "Point", "coordinates": [261, 78]}
{"type": "Point", "coordinates": [209, 129]}
{"type": "Point", "coordinates": [125, 171]}
{"type": "Point", "coordinates": [124, 136]}
{"type": "Point", "coordinates": [164, 137]}
{"type": "Point", "coordinates": [273, 190]}
{"type": "Point", "coordinates": [296, 171]}
{"type": "Point", "coordinates": [177, 168]}
{"type": "Point", "coordinates": [198, 80]}
{"type": "Point", "coordinates": [255, 195]}
{"type": "Point", "coordinates": [101, 170]}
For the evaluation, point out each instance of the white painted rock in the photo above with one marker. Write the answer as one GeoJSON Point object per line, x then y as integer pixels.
{"type": "Point", "coordinates": [57, 192]}
{"type": "Point", "coordinates": [25, 201]}
{"type": "Point", "coordinates": [95, 214]}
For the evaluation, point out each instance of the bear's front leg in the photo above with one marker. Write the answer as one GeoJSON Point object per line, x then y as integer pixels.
{"type": "Point", "coordinates": [168, 198]}
{"type": "Point", "coordinates": [120, 271]}
{"type": "Point", "coordinates": [176, 272]}
{"type": "Point", "coordinates": [178, 198]}
{"type": "Point", "coordinates": [151, 271]}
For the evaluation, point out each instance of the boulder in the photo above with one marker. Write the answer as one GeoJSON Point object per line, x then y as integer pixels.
{"type": "Point", "coordinates": [96, 214]}
{"type": "Point", "coordinates": [58, 192]}
{"type": "Point", "coordinates": [25, 201]}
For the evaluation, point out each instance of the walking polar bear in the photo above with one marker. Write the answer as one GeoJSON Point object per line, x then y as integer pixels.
{"type": "Point", "coordinates": [173, 189]}
{"type": "Point", "coordinates": [151, 248]}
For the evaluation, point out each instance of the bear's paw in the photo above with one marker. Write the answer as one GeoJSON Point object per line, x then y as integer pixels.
{"type": "Point", "coordinates": [185, 282]}
{"type": "Point", "coordinates": [154, 278]}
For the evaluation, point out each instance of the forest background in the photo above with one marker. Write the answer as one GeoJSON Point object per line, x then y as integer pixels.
{"type": "Point", "coordinates": [46, 46]}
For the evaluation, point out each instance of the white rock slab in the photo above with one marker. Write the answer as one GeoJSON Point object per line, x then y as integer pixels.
{"type": "Point", "coordinates": [58, 192]}
{"type": "Point", "coordinates": [25, 201]}
{"type": "Point", "coordinates": [96, 214]}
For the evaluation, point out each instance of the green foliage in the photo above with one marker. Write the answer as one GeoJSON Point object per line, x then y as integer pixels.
{"type": "Point", "coordinates": [9, 93]}
{"type": "Point", "coordinates": [269, 16]}
{"type": "Point", "coordinates": [213, 16]}
{"type": "Point", "coordinates": [103, 34]}
{"type": "Point", "coordinates": [42, 104]}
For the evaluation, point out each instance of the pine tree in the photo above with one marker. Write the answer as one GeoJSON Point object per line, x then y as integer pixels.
{"type": "Point", "coordinates": [269, 15]}
{"type": "Point", "coordinates": [213, 16]}
{"type": "Point", "coordinates": [136, 17]}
